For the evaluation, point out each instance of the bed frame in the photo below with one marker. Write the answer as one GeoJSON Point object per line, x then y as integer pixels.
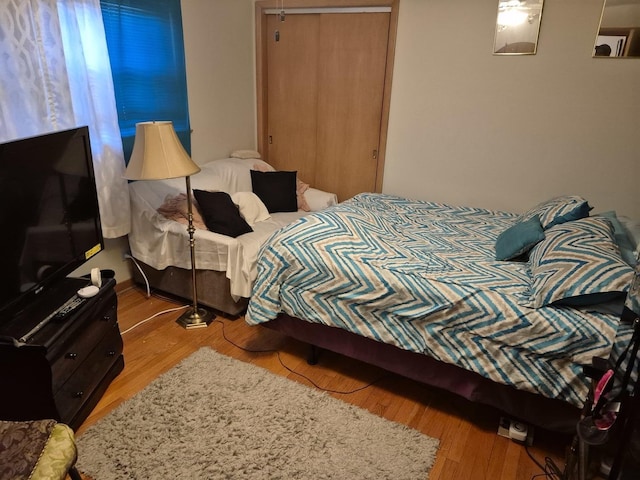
{"type": "Point", "coordinates": [537, 410]}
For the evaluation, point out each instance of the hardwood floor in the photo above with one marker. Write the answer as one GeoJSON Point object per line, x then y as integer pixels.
{"type": "Point", "coordinates": [469, 445]}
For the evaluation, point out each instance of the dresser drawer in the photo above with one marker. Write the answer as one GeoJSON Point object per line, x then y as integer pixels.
{"type": "Point", "coordinates": [72, 353]}
{"type": "Point", "coordinates": [89, 374]}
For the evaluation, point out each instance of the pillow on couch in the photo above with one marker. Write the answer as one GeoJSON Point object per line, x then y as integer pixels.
{"type": "Point", "coordinates": [578, 263]}
{"type": "Point", "coordinates": [277, 190]}
{"type": "Point", "coordinates": [301, 187]}
{"type": "Point", "coordinates": [220, 214]}
{"type": "Point", "coordinates": [251, 207]}
{"type": "Point", "coordinates": [519, 239]}
{"type": "Point", "coordinates": [319, 200]}
{"type": "Point", "coordinates": [558, 210]}
{"type": "Point", "coordinates": [245, 154]}
{"type": "Point", "coordinates": [229, 175]}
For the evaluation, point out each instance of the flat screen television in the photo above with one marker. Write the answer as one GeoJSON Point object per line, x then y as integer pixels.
{"type": "Point", "coordinates": [49, 216]}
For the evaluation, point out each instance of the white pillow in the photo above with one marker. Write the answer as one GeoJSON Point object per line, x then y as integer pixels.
{"type": "Point", "coordinates": [251, 207]}
{"type": "Point", "coordinates": [245, 154]}
{"type": "Point", "coordinates": [319, 200]}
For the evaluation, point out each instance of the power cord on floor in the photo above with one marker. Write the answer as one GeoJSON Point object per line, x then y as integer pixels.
{"type": "Point", "coordinates": [277, 352]}
{"type": "Point", "coordinates": [155, 315]}
{"type": "Point", "coordinates": [550, 469]}
{"type": "Point", "coordinates": [224, 335]}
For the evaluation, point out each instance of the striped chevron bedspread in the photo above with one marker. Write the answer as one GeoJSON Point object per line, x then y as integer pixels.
{"type": "Point", "coordinates": [422, 276]}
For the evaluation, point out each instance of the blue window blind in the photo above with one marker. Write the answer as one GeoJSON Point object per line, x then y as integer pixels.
{"type": "Point", "coordinates": [146, 51]}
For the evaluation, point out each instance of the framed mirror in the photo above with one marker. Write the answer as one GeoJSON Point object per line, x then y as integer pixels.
{"type": "Point", "coordinates": [517, 27]}
{"type": "Point", "coordinates": [619, 30]}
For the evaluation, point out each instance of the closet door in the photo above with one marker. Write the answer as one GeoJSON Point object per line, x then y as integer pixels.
{"type": "Point", "coordinates": [351, 75]}
{"type": "Point", "coordinates": [292, 93]}
{"type": "Point", "coordinates": [325, 86]}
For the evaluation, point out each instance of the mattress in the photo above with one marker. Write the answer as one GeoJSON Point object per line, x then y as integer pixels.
{"type": "Point", "coordinates": [422, 276]}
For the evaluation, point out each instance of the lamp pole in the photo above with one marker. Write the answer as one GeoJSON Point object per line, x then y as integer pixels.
{"type": "Point", "coordinates": [194, 317]}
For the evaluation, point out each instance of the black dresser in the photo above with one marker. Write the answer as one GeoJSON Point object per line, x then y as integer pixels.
{"type": "Point", "coordinates": [59, 366]}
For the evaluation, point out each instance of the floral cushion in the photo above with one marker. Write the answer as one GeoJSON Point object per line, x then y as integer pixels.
{"type": "Point", "coordinates": [36, 450]}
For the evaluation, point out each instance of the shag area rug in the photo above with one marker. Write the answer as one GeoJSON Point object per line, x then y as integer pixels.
{"type": "Point", "coordinates": [214, 417]}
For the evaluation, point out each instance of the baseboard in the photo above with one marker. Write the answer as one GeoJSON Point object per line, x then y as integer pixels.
{"type": "Point", "coordinates": [124, 285]}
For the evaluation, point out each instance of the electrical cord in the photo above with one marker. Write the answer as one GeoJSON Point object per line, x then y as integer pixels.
{"type": "Point", "coordinates": [146, 280]}
{"type": "Point", "coordinates": [155, 315]}
{"type": "Point", "coordinates": [550, 469]}
{"type": "Point", "coordinates": [277, 352]}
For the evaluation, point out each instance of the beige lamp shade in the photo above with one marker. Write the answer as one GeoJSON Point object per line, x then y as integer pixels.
{"type": "Point", "coordinates": [158, 154]}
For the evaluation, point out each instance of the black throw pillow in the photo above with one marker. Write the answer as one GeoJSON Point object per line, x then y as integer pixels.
{"type": "Point", "coordinates": [220, 214]}
{"type": "Point", "coordinates": [277, 190]}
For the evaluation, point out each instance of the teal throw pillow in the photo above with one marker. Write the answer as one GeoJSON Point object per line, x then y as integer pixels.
{"type": "Point", "coordinates": [519, 239]}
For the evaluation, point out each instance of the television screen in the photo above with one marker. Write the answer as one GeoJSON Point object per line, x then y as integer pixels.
{"type": "Point", "coordinates": [49, 214]}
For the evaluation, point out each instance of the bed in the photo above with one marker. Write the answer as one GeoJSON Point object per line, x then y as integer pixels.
{"type": "Point", "coordinates": [416, 288]}
{"type": "Point", "coordinates": [226, 262]}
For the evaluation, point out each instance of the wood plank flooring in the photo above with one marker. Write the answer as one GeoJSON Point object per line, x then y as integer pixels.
{"type": "Point", "coordinates": [469, 445]}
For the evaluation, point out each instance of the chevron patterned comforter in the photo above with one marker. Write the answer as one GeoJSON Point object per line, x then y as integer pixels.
{"type": "Point", "coordinates": [422, 276]}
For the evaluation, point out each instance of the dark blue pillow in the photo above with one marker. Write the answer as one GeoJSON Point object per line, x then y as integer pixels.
{"type": "Point", "coordinates": [519, 239]}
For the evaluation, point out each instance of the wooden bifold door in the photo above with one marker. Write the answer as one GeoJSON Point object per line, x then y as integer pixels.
{"type": "Point", "coordinates": [324, 83]}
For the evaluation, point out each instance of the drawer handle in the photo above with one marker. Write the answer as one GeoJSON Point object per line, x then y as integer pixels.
{"type": "Point", "coordinates": [111, 353]}
{"type": "Point", "coordinates": [79, 394]}
{"type": "Point", "coordinates": [106, 318]}
{"type": "Point", "coordinates": [71, 356]}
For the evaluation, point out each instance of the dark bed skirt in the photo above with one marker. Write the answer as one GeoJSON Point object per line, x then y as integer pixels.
{"type": "Point", "coordinates": [543, 412]}
{"type": "Point", "coordinates": [212, 286]}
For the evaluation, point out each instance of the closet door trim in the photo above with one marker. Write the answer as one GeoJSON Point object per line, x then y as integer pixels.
{"type": "Point", "coordinates": [262, 9]}
{"type": "Point", "coordinates": [301, 11]}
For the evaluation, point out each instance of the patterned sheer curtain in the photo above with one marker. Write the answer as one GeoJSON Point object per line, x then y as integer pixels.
{"type": "Point", "coordinates": [55, 75]}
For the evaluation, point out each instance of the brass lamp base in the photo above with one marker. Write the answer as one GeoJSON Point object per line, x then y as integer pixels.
{"type": "Point", "coordinates": [195, 318]}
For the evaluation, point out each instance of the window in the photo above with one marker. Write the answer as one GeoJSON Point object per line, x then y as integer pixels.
{"type": "Point", "coordinates": [146, 51]}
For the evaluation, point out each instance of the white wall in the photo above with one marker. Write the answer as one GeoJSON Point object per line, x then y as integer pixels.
{"type": "Point", "coordinates": [506, 132]}
{"type": "Point", "coordinates": [218, 38]}
{"type": "Point", "coordinates": [466, 126]}
{"type": "Point", "coordinates": [111, 258]}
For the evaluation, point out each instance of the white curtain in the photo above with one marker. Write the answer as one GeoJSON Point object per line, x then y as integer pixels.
{"type": "Point", "coordinates": [54, 75]}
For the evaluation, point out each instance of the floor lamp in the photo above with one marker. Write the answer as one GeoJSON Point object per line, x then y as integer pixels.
{"type": "Point", "coordinates": [159, 155]}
